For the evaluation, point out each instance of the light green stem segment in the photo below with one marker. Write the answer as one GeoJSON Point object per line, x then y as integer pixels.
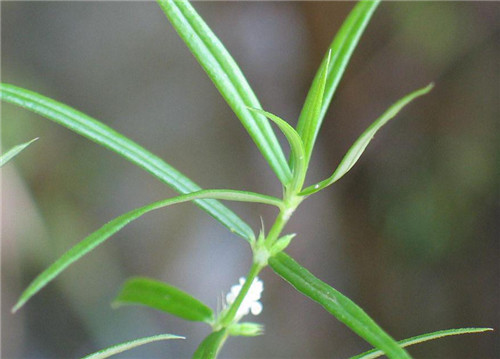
{"type": "Point", "coordinates": [289, 205]}
{"type": "Point", "coordinates": [231, 313]}
{"type": "Point", "coordinates": [278, 226]}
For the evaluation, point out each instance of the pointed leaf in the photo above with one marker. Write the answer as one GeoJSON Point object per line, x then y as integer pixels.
{"type": "Point", "coordinates": [109, 138]}
{"type": "Point", "coordinates": [297, 149]}
{"type": "Point", "coordinates": [118, 223]}
{"type": "Point", "coordinates": [357, 149]}
{"type": "Point", "coordinates": [341, 49]}
{"type": "Point", "coordinates": [120, 348]}
{"type": "Point", "coordinates": [372, 354]}
{"type": "Point", "coordinates": [228, 78]}
{"type": "Point", "coordinates": [7, 156]}
{"type": "Point", "coordinates": [311, 122]}
{"type": "Point", "coordinates": [211, 345]}
{"type": "Point", "coordinates": [337, 304]}
{"type": "Point", "coordinates": [164, 297]}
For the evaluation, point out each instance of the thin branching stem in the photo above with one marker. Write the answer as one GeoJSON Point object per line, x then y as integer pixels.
{"type": "Point", "coordinates": [233, 309]}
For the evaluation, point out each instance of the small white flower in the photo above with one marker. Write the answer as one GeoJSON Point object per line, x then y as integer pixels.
{"type": "Point", "coordinates": [251, 302]}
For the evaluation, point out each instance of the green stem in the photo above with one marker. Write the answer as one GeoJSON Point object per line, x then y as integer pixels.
{"type": "Point", "coordinates": [290, 203]}
{"type": "Point", "coordinates": [257, 266]}
{"type": "Point", "coordinates": [277, 227]}
{"type": "Point", "coordinates": [231, 313]}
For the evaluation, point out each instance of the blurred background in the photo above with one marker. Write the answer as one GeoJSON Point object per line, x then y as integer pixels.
{"type": "Point", "coordinates": [411, 233]}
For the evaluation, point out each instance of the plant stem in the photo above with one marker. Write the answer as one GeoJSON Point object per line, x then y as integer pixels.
{"type": "Point", "coordinates": [277, 227]}
{"type": "Point", "coordinates": [231, 313]}
{"type": "Point", "coordinates": [290, 203]}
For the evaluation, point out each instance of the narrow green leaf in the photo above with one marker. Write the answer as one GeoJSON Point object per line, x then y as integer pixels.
{"type": "Point", "coordinates": [310, 125]}
{"type": "Point", "coordinates": [297, 149]}
{"type": "Point", "coordinates": [228, 78]}
{"type": "Point", "coordinates": [211, 345]}
{"type": "Point", "coordinates": [164, 297]}
{"type": "Point", "coordinates": [7, 156]}
{"type": "Point", "coordinates": [110, 228]}
{"type": "Point", "coordinates": [341, 50]}
{"type": "Point", "coordinates": [109, 138]}
{"type": "Point", "coordinates": [120, 348]}
{"type": "Point", "coordinates": [422, 338]}
{"type": "Point", "coordinates": [337, 304]}
{"type": "Point", "coordinates": [357, 149]}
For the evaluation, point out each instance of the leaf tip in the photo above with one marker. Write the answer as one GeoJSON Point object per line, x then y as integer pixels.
{"type": "Point", "coordinates": [429, 87]}
{"type": "Point", "coordinates": [18, 306]}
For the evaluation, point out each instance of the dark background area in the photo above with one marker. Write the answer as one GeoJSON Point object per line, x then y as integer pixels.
{"type": "Point", "coordinates": [411, 233]}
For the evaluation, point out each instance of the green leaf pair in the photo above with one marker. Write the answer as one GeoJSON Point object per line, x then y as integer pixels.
{"type": "Point", "coordinates": [298, 145]}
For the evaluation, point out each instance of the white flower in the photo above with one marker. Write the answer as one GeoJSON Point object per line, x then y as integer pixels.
{"type": "Point", "coordinates": [251, 302]}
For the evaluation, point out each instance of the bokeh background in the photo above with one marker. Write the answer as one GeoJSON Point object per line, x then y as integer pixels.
{"type": "Point", "coordinates": [411, 233]}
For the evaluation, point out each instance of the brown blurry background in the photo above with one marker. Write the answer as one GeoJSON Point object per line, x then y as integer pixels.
{"type": "Point", "coordinates": [411, 233]}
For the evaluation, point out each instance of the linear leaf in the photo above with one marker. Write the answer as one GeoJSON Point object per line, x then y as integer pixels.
{"type": "Point", "coordinates": [211, 345]}
{"type": "Point", "coordinates": [120, 348]}
{"type": "Point", "coordinates": [374, 353]}
{"type": "Point", "coordinates": [228, 78]}
{"type": "Point", "coordinates": [110, 228]}
{"type": "Point", "coordinates": [7, 156]}
{"type": "Point", "coordinates": [311, 122]}
{"type": "Point", "coordinates": [341, 50]}
{"type": "Point", "coordinates": [164, 297]}
{"type": "Point", "coordinates": [297, 149]}
{"type": "Point", "coordinates": [109, 138]}
{"type": "Point", "coordinates": [337, 304]}
{"type": "Point", "coordinates": [357, 149]}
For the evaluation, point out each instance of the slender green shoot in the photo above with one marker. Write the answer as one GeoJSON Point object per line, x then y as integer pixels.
{"type": "Point", "coordinates": [14, 151]}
